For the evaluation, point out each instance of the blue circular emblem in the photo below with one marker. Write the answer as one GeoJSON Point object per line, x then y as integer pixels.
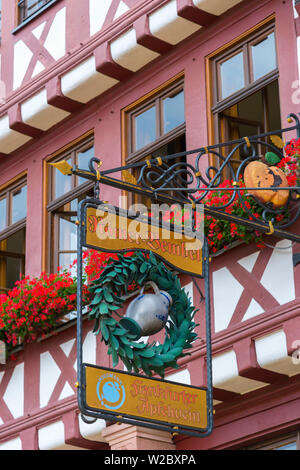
{"type": "Point", "coordinates": [110, 391]}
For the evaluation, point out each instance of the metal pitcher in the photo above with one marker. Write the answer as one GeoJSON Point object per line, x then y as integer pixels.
{"type": "Point", "coordinates": [147, 313]}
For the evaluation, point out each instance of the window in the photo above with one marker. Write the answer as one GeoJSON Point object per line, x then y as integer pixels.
{"type": "Point", "coordinates": [65, 192]}
{"type": "Point", "coordinates": [156, 126]}
{"type": "Point", "coordinates": [157, 120]}
{"type": "Point", "coordinates": [245, 94]}
{"type": "Point", "coordinates": [288, 442]}
{"type": "Point", "coordinates": [242, 66]}
{"type": "Point", "coordinates": [26, 8]}
{"type": "Point", "coordinates": [13, 210]}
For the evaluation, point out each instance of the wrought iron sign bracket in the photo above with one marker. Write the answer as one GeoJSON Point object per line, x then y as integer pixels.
{"type": "Point", "coordinates": [174, 180]}
{"type": "Point", "coordinates": [189, 178]}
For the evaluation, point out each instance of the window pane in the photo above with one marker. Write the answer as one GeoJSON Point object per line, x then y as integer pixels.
{"type": "Point", "coordinates": [173, 108]}
{"type": "Point", "coordinates": [83, 159]}
{"type": "Point", "coordinates": [62, 183]}
{"type": "Point", "coordinates": [13, 267]}
{"type": "Point", "coordinates": [28, 7]}
{"type": "Point", "coordinates": [64, 232]}
{"type": "Point", "coordinates": [65, 260]}
{"type": "Point", "coordinates": [67, 233]}
{"type": "Point", "coordinates": [19, 205]}
{"type": "Point", "coordinates": [232, 75]}
{"type": "Point", "coordinates": [145, 128]}
{"type": "Point", "coordinates": [2, 214]}
{"type": "Point", "coordinates": [264, 56]}
{"type": "Point", "coordinates": [290, 446]}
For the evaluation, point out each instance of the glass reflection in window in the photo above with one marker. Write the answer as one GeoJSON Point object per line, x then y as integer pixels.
{"type": "Point", "coordinates": [62, 183]}
{"type": "Point", "coordinates": [232, 75]}
{"type": "Point", "coordinates": [83, 159]}
{"type": "Point", "coordinates": [264, 56]}
{"type": "Point", "coordinates": [67, 233]}
{"type": "Point", "coordinates": [145, 128]}
{"type": "Point", "coordinates": [290, 446]}
{"type": "Point", "coordinates": [2, 213]}
{"type": "Point", "coordinates": [173, 108]}
{"type": "Point", "coordinates": [19, 205]}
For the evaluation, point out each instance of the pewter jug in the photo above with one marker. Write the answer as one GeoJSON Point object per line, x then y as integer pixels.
{"type": "Point", "coordinates": [147, 313]}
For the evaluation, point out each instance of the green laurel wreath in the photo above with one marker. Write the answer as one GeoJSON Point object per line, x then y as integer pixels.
{"type": "Point", "coordinates": [109, 291]}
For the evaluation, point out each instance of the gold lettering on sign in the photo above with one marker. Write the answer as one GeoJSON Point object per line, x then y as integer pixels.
{"type": "Point", "coordinates": [147, 398]}
{"type": "Point", "coordinates": [113, 232]}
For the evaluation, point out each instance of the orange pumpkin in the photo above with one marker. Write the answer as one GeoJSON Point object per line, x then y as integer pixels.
{"type": "Point", "coordinates": [259, 175]}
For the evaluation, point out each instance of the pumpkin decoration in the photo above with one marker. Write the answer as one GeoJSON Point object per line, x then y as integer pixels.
{"type": "Point", "coordinates": [259, 175]}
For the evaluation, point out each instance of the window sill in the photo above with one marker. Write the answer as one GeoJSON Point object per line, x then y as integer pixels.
{"type": "Point", "coordinates": [34, 15]}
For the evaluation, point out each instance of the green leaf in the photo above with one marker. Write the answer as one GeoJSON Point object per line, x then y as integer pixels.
{"type": "Point", "coordinates": [93, 312]}
{"type": "Point", "coordinates": [96, 300]}
{"type": "Point", "coordinates": [115, 358]}
{"type": "Point", "coordinates": [176, 351]}
{"type": "Point", "coordinates": [121, 352]}
{"type": "Point", "coordinates": [147, 353]}
{"type": "Point", "coordinates": [103, 308]}
{"type": "Point", "coordinates": [104, 331]}
{"type": "Point", "coordinates": [146, 368]}
{"type": "Point", "coordinates": [144, 268]}
{"type": "Point", "coordinates": [138, 345]}
{"type": "Point", "coordinates": [110, 321]}
{"type": "Point", "coordinates": [135, 368]}
{"type": "Point", "coordinates": [180, 343]}
{"type": "Point", "coordinates": [113, 307]}
{"type": "Point", "coordinates": [173, 364]}
{"type": "Point", "coordinates": [96, 325]}
{"type": "Point", "coordinates": [96, 289]}
{"type": "Point", "coordinates": [114, 342]}
{"type": "Point", "coordinates": [107, 295]}
{"type": "Point", "coordinates": [166, 345]}
{"type": "Point", "coordinates": [128, 351]}
{"type": "Point", "coordinates": [156, 361]}
{"type": "Point", "coordinates": [167, 357]}
{"type": "Point", "coordinates": [133, 267]}
{"type": "Point", "coordinates": [127, 364]}
{"type": "Point", "coordinates": [152, 259]}
{"type": "Point", "coordinates": [125, 340]}
{"type": "Point", "coordinates": [137, 361]}
{"type": "Point", "coordinates": [119, 331]}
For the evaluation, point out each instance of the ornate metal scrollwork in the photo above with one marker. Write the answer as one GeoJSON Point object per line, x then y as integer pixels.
{"type": "Point", "coordinates": [191, 182]}
{"type": "Point", "coordinates": [191, 176]}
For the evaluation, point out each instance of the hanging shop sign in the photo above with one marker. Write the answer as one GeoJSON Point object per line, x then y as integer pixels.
{"type": "Point", "coordinates": [128, 397]}
{"type": "Point", "coordinates": [110, 229]}
{"type": "Point", "coordinates": [145, 399]}
{"type": "Point", "coordinates": [136, 399]}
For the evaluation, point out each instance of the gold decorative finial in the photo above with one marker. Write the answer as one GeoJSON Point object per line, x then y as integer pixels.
{"type": "Point", "coordinates": [64, 167]}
